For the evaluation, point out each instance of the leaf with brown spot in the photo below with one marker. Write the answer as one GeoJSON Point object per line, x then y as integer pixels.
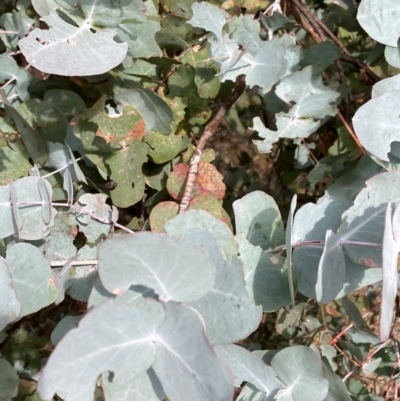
{"type": "Point", "coordinates": [368, 262]}
{"type": "Point", "coordinates": [176, 181]}
{"type": "Point", "coordinates": [208, 181]}
{"type": "Point", "coordinates": [126, 171]}
{"type": "Point", "coordinates": [212, 205]}
{"type": "Point", "coordinates": [157, 114]}
{"type": "Point", "coordinates": [163, 147]}
{"type": "Point", "coordinates": [101, 133]}
{"type": "Point", "coordinates": [161, 213]}
{"type": "Point", "coordinates": [137, 132]}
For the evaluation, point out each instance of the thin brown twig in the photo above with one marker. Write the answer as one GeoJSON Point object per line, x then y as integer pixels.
{"type": "Point", "coordinates": [366, 359]}
{"type": "Point", "coordinates": [359, 63]}
{"type": "Point", "coordinates": [351, 132]}
{"type": "Point", "coordinates": [165, 79]}
{"type": "Point", "coordinates": [347, 328]}
{"type": "Point", "coordinates": [179, 59]}
{"type": "Point", "coordinates": [342, 80]}
{"type": "Point", "coordinates": [304, 22]}
{"type": "Point", "coordinates": [209, 131]}
{"type": "Point", "coordinates": [361, 66]}
{"type": "Point", "coordinates": [314, 26]}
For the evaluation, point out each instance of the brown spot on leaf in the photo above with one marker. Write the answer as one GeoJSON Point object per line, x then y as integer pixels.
{"type": "Point", "coordinates": [161, 213]}
{"type": "Point", "coordinates": [274, 260]}
{"type": "Point", "coordinates": [74, 231]}
{"type": "Point", "coordinates": [137, 132]}
{"type": "Point", "coordinates": [210, 180]}
{"type": "Point", "coordinates": [368, 262]}
{"type": "Point", "coordinates": [106, 136]}
{"type": "Point", "coordinates": [74, 120]}
{"type": "Point", "coordinates": [176, 181]}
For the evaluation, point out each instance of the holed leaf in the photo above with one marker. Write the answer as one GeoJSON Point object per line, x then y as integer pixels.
{"type": "Point", "coordinates": [71, 48]}
{"type": "Point", "coordinates": [100, 132]}
{"type": "Point", "coordinates": [126, 171]}
{"type": "Point", "coordinates": [156, 113]}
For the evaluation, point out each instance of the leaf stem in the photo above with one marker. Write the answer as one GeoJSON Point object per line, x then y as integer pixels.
{"type": "Point", "coordinates": [61, 263]}
{"type": "Point", "coordinates": [322, 242]}
{"type": "Point", "coordinates": [83, 211]}
{"type": "Point", "coordinates": [63, 167]}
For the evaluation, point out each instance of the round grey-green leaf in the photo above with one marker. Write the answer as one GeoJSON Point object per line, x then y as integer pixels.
{"type": "Point", "coordinates": [111, 337]}
{"type": "Point", "coordinates": [175, 269]}
{"type": "Point", "coordinates": [32, 277]}
{"type": "Point", "coordinates": [299, 369]}
{"type": "Point", "coordinates": [376, 134]}
{"type": "Point", "coordinates": [66, 49]}
{"type": "Point", "coordinates": [8, 381]}
{"type": "Point", "coordinates": [6, 218]}
{"type": "Point", "coordinates": [381, 20]}
{"type": "Point", "coordinates": [10, 306]}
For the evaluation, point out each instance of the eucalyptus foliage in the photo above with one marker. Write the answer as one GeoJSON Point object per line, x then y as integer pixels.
{"type": "Point", "coordinates": [100, 102]}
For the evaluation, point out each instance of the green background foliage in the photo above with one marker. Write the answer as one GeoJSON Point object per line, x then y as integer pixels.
{"type": "Point", "coordinates": [276, 279]}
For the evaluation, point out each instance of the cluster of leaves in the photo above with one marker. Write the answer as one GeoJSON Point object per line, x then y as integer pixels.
{"type": "Point", "coordinates": [100, 102]}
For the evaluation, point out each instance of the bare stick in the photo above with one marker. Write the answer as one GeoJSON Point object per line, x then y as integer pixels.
{"type": "Point", "coordinates": [303, 10]}
{"type": "Point", "coordinates": [209, 131]}
{"type": "Point", "coordinates": [314, 26]}
{"type": "Point", "coordinates": [351, 132]}
{"type": "Point", "coordinates": [179, 59]}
